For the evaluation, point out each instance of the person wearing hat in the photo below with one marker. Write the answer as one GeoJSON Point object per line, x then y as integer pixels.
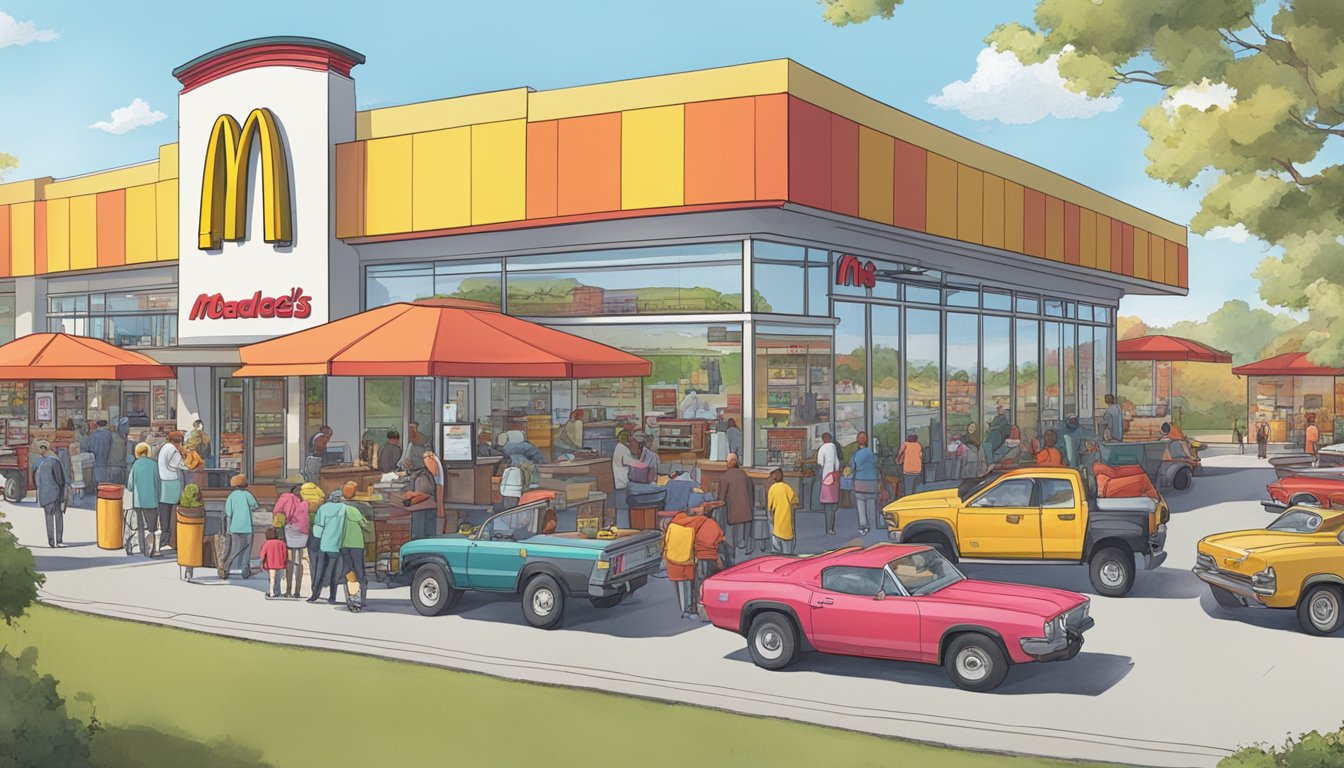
{"type": "Point", "coordinates": [329, 528]}
{"type": "Point", "coordinates": [238, 509]}
{"type": "Point", "coordinates": [781, 501]}
{"type": "Point", "coordinates": [49, 477]}
{"type": "Point", "coordinates": [143, 485]}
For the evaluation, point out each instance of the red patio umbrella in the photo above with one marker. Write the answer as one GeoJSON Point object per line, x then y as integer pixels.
{"type": "Point", "coordinates": [1169, 348]}
{"type": "Point", "coordinates": [62, 357]}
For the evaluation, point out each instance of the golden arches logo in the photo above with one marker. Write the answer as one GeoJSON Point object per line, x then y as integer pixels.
{"type": "Point", "coordinates": [224, 183]}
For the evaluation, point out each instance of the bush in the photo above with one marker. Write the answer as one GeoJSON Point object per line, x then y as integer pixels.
{"type": "Point", "coordinates": [19, 578]}
{"type": "Point", "coordinates": [1311, 750]}
{"type": "Point", "coordinates": [36, 731]}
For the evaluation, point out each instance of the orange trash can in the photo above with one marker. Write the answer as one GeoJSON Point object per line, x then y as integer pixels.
{"type": "Point", "coordinates": [190, 536]}
{"type": "Point", "coordinates": [109, 516]}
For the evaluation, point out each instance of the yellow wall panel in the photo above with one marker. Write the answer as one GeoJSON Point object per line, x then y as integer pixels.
{"type": "Point", "coordinates": [441, 179]}
{"type": "Point", "coordinates": [165, 195]}
{"type": "Point", "coordinates": [653, 157]}
{"type": "Point", "coordinates": [1104, 242]}
{"type": "Point", "coordinates": [970, 204]}
{"type": "Point", "coordinates": [877, 163]}
{"type": "Point", "coordinates": [942, 196]}
{"type": "Point", "coordinates": [105, 181]}
{"type": "Point", "coordinates": [1141, 254]}
{"type": "Point", "coordinates": [1157, 267]}
{"type": "Point", "coordinates": [22, 240]}
{"type": "Point", "coordinates": [388, 203]}
{"type": "Point", "coordinates": [141, 225]}
{"type": "Point", "coordinates": [168, 160]}
{"type": "Point", "coordinates": [58, 235]}
{"type": "Point", "coordinates": [83, 232]}
{"type": "Point", "coordinates": [1013, 216]}
{"type": "Point", "coordinates": [1173, 262]}
{"type": "Point", "coordinates": [993, 211]}
{"type": "Point", "coordinates": [1087, 238]}
{"type": "Point", "coordinates": [498, 172]}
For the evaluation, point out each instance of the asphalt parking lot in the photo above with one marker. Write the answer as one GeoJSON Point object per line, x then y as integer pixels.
{"type": "Point", "coordinates": [1166, 677]}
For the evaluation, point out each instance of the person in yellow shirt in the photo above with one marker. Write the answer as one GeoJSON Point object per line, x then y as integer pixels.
{"type": "Point", "coordinates": [781, 502]}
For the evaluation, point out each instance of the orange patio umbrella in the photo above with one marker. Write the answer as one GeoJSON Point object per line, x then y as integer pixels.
{"type": "Point", "coordinates": [62, 357]}
{"type": "Point", "coordinates": [438, 338]}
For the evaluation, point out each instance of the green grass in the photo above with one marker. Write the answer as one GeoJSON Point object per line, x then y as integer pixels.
{"type": "Point", "coordinates": [158, 689]}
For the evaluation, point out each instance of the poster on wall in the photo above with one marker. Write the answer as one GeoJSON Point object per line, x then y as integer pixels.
{"type": "Point", "coordinates": [459, 443]}
{"type": "Point", "coordinates": [44, 404]}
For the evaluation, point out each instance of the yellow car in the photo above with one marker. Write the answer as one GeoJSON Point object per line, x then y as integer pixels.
{"type": "Point", "coordinates": [1295, 562]}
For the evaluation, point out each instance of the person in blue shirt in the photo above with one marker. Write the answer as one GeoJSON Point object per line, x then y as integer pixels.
{"type": "Point", "coordinates": [238, 509]}
{"type": "Point", "coordinates": [329, 528]}
{"type": "Point", "coordinates": [99, 443]}
{"type": "Point", "coordinates": [863, 464]}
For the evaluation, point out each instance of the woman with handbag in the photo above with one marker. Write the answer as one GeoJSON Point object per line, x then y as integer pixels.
{"type": "Point", "coordinates": [864, 466]}
{"type": "Point", "coordinates": [828, 467]}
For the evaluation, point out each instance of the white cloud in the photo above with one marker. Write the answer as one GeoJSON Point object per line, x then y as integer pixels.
{"type": "Point", "coordinates": [1235, 234]}
{"type": "Point", "coordinates": [1005, 89]}
{"type": "Point", "coordinates": [15, 32]}
{"type": "Point", "coordinates": [1202, 96]}
{"type": "Point", "coordinates": [125, 119]}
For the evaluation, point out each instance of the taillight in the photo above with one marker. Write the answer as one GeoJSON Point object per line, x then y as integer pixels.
{"type": "Point", "coordinates": [617, 564]}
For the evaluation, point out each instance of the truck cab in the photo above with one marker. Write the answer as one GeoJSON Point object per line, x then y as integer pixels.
{"type": "Point", "coordinates": [1037, 514]}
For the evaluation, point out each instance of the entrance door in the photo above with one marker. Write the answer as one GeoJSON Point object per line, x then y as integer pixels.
{"type": "Point", "coordinates": [268, 430]}
{"type": "Point", "coordinates": [232, 440]}
{"type": "Point", "coordinates": [1004, 521]}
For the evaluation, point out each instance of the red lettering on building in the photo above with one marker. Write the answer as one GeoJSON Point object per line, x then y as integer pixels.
{"type": "Point", "coordinates": [213, 306]}
{"type": "Point", "coordinates": [849, 271]}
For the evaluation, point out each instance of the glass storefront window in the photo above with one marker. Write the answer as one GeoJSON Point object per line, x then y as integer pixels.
{"type": "Point", "coordinates": [231, 424]}
{"type": "Point", "coordinates": [126, 319]}
{"type": "Point", "coordinates": [1026, 402]}
{"type": "Point", "coordinates": [422, 409]}
{"type": "Point", "coordinates": [1085, 312]}
{"type": "Point", "coordinates": [314, 407]}
{"type": "Point", "coordinates": [6, 317]}
{"type": "Point", "coordinates": [671, 279]}
{"type": "Point", "coordinates": [1001, 302]}
{"type": "Point", "coordinates": [1070, 370]}
{"type": "Point", "coordinates": [764, 250]}
{"type": "Point", "coordinates": [851, 371]}
{"type": "Point", "coordinates": [793, 393]}
{"type": "Point", "coordinates": [1101, 360]}
{"type": "Point", "coordinates": [268, 430]}
{"type": "Point", "coordinates": [778, 288]}
{"type": "Point", "coordinates": [818, 282]}
{"type": "Point", "coordinates": [922, 294]}
{"type": "Point", "coordinates": [963, 372]}
{"type": "Point", "coordinates": [471, 281]}
{"type": "Point", "coordinates": [1054, 308]}
{"type": "Point", "coordinates": [963, 297]}
{"type": "Point", "coordinates": [1028, 304]}
{"type": "Point", "coordinates": [997, 382]}
{"type": "Point", "coordinates": [384, 409]}
{"type": "Point", "coordinates": [886, 366]}
{"type": "Point", "coordinates": [923, 379]}
{"type": "Point", "coordinates": [14, 399]}
{"type": "Point", "coordinates": [1102, 315]}
{"type": "Point", "coordinates": [1052, 389]}
{"type": "Point", "coordinates": [1086, 383]}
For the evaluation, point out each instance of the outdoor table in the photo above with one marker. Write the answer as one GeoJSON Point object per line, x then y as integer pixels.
{"type": "Point", "coordinates": [336, 476]}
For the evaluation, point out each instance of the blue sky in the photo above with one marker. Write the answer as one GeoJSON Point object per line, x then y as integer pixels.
{"type": "Point", "coordinates": [106, 55]}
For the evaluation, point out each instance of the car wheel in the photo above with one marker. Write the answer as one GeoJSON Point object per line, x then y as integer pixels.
{"type": "Point", "coordinates": [1305, 499]}
{"type": "Point", "coordinates": [1112, 571]}
{"type": "Point", "coordinates": [431, 594]}
{"type": "Point", "coordinates": [543, 602]}
{"type": "Point", "coordinates": [938, 542]}
{"type": "Point", "coordinates": [15, 487]}
{"type": "Point", "coordinates": [1223, 598]}
{"type": "Point", "coordinates": [975, 663]}
{"type": "Point", "coordinates": [1181, 480]}
{"type": "Point", "coordinates": [610, 601]}
{"type": "Point", "coordinates": [1321, 611]}
{"type": "Point", "coordinates": [772, 641]}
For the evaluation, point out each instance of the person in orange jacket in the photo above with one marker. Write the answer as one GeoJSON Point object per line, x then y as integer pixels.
{"type": "Point", "coordinates": [685, 575]}
{"type": "Point", "coordinates": [1049, 456]}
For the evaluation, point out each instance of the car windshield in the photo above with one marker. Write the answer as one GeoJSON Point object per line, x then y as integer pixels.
{"type": "Point", "coordinates": [517, 525]}
{"type": "Point", "coordinates": [926, 572]}
{"type": "Point", "coordinates": [1297, 521]}
{"type": "Point", "coordinates": [969, 488]}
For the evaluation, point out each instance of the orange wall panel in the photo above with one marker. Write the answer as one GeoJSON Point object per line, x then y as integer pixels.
{"type": "Point", "coordinates": [40, 238]}
{"type": "Point", "coordinates": [1127, 249]}
{"type": "Point", "coordinates": [589, 166]}
{"type": "Point", "coordinates": [809, 154]}
{"type": "Point", "coordinates": [1071, 234]}
{"type": "Point", "coordinates": [970, 204]}
{"type": "Point", "coordinates": [941, 216]}
{"type": "Point", "coordinates": [112, 228]}
{"type": "Point", "coordinates": [844, 166]}
{"type": "Point", "coordinates": [5, 253]}
{"type": "Point", "coordinates": [720, 151]}
{"type": "Point", "coordinates": [542, 168]}
{"type": "Point", "coordinates": [350, 189]}
{"type": "Point", "coordinates": [1087, 238]}
{"type": "Point", "coordinates": [876, 166]}
{"type": "Point", "coordinates": [1054, 228]}
{"type": "Point", "coordinates": [993, 211]}
{"type": "Point", "coordinates": [1033, 222]}
{"type": "Point", "coordinates": [772, 147]}
{"type": "Point", "coordinates": [1108, 243]}
{"type": "Point", "coordinates": [911, 196]}
{"type": "Point", "coordinates": [1014, 219]}
{"type": "Point", "coordinates": [1182, 266]}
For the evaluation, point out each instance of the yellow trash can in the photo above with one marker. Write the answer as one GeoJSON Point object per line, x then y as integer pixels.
{"type": "Point", "coordinates": [190, 536]}
{"type": "Point", "coordinates": [110, 525]}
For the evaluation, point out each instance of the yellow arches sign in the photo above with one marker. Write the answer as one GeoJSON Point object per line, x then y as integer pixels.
{"type": "Point", "coordinates": [224, 183]}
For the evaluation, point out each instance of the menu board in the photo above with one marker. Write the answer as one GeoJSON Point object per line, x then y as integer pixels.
{"type": "Point", "coordinates": [663, 397]}
{"type": "Point", "coordinates": [785, 446]}
{"type": "Point", "coordinates": [44, 406]}
{"type": "Point", "coordinates": [459, 442]}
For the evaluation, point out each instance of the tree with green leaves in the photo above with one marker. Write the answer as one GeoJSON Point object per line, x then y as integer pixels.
{"type": "Point", "coordinates": [1251, 108]}
{"type": "Point", "coordinates": [7, 164]}
{"type": "Point", "coordinates": [19, 578]}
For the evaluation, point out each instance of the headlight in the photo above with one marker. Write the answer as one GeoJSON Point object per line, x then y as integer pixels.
{"type": "Point", "coordinates": [1049, 629]}
{"type": "Point", "coordinates": [893, 519]}
{"type": "Point", "coordinates": [1206, 562]}
{"type": "Point", "coordinates": [1265, 582]}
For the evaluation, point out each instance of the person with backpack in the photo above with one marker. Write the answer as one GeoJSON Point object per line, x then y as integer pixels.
{"type": "Point", "coordinates": [679, 554]}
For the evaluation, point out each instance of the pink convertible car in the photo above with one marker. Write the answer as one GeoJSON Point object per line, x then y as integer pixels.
{"type": "Point", "coordinates": [892, 601]}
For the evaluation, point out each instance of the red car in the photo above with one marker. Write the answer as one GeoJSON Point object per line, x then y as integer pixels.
{"type": "Point", "coordinates": [1316, 487]}
{"type": "Point", "coordinates": [892, 601]}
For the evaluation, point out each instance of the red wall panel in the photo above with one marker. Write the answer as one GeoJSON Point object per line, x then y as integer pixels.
{"type": "Point", "coordinates": [1127, 249]}
{"type": "Point", "coordinates": [772, 147]}
{"type": "Point", "coordinates": [1071, 234]}
{"type": "Point", "coordinates": [844, 166]}
{"type": "Point", "coordinates": [809, 154]}
{"type": "Point", "coordinates": [910, 196]}
{"type": "Point", "coordinates": [1033, 222]}
{"type": "Point", "coordinates": [1182, 266]}
{"type": "Point", "coordinates": [589, 164]}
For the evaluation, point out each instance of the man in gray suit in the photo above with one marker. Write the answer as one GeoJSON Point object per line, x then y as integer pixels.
{"type": "Point", "coordinates": [49, 476]}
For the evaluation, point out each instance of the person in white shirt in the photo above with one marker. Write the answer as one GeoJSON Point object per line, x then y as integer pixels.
{"type": "Point", "coordinates": [170, 488]}
{"type": "Point", "coordinates": [828, 470]}
{"type": "Point", "coordinates": [510, 486]}
{"type": "Point", "coordinates": [690, 405]}
{"type": "Point", "coordinates": [621, 459]}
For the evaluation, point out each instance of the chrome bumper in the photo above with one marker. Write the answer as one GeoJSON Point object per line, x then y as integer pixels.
{"type": "Point", "coordinates": [1226, 583]}
{"type": "Point", "coordinates": [1156, 554]}
{"type": "Point", "coordinates": [1274, 507]}
{"type": "Point", "coordinates": [1042, 649]}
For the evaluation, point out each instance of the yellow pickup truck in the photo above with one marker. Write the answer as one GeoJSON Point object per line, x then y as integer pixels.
{"type": "Point", "coordinates": [1037, 514]}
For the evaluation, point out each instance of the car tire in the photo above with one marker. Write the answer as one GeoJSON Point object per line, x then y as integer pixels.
{"type": "Point", "coordinates": [1224, 599]}
{"type": "Point", "coordinates": [543, 602]}
{"type": "Point", "coordinates": [431, 592]}
{"type": "Point", "coordinates": [1112, 571]}
{"type": "Point", "coordinates": [16, 487]}
{"type": "Point", "coordinates": [772, 641]}
{"type": "Point", "coordinates": [975, 662]}
{"type": "Point", "coordinates": [1306, 499]}
{"type": "Point", "coordinates": [938, 542]}
{"type": "Point", "coordinates": [1321, 610]}
{"type": "Point", "coordinates": [610, 601]}
{"type": "Point", "coordinates": [1182, 479]}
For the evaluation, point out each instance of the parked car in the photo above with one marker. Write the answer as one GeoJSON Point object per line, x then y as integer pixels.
{"type": "Point", "coordinates": [1323, 489]}
{"type": "Point", "coordinates": [1037, 514]}
{"type": "Point", "coordinates": [1296, 562]}
{"type": "Point", "coordinates": [1330, 457]}
{"type": "Point", "coordinates": [890, 601]}
{"type": "Point", "coordinates": [515, 552]}
{"type": "Point", "coordinates": [1169, 463]}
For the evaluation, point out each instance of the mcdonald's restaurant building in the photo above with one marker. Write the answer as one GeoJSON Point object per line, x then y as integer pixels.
{"type": "Point", "coordinates": [789, 253]}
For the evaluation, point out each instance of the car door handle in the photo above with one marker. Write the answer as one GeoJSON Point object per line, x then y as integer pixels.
{"type": "Point", "coordinates": [1069, 516]}
{"type": "Point", "coordinates": [823, 601]}
{"type": "Point", "coordinates": [1014, 519]}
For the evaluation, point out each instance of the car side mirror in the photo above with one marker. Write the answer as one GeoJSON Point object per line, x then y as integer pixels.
{"type": "Point", "coordinates": [880, 595]}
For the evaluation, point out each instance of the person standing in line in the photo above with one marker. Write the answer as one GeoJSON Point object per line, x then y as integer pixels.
{"type": "Point", "coordinates": [197, 440]}
{"type": "Point", "coordinates": [1261, 439]}
{"type": "Point", "coordinates": [735, 492]}
{"type": "Point", "coordinates": [354, 529]}
{"type": "Point", "coordinates": [294, 510]}
{"type": "Point", "coordinates": [1114, 419]}
{"type": "Point", "coordinates": [911, 458]}
{"type": "Point", "coordinates": [273, 562]}
{"type": "Point", "coordinates": [329, 528]}
{"type": "Point", "coordinates": [997, 432]}
{"type": "Point", "coordinates": [417, 444]}
{"type": "Point", "coordinates": [116, 456]}
{"type": "Point", "coordinates": [238, 509]}
{"type": "Point", "coordinates": [621, 459]}
{"type": "Point", "coordinates": [1238, 436]}
{"type": "Point", "coordinates": [569, 440]}
{"type": "Point", "coordinates": [734, 435]}
{"type": "Point", "coordinates": [828, 469]}
{"type": "Point", "coordinates": [313, 497]}
{"type": "Point", "coordinates": [781, 501]}
{"type": "Point", "coordinates": [1312, 439]}
{"type": "Point", "coordinates": [143, 484]}
{"type": "Point", "coordinates": [679, 558]}
{"type": "Point", "coordinates": [708, 537]}
{"type": "Point", "coordinates": [99, 443]}
{"type": "Point", "coordinates": [170, 487]}
{"type": "Point", "coordinates": [49, 477]}
{"type": "Point", "coordinates": [863, 468]}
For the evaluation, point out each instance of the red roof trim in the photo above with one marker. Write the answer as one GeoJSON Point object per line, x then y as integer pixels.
{"type": "Point", "coordinates": [296, 55]}
{"type": "Point", "coordinates": [1290, 364]}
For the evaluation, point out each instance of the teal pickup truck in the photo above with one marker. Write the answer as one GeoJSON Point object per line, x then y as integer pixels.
{"type": "Point", "coordinates": [518, 552]}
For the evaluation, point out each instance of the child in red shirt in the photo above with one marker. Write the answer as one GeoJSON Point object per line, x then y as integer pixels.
{"type": "Point", "coordinates": [274, 556]}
